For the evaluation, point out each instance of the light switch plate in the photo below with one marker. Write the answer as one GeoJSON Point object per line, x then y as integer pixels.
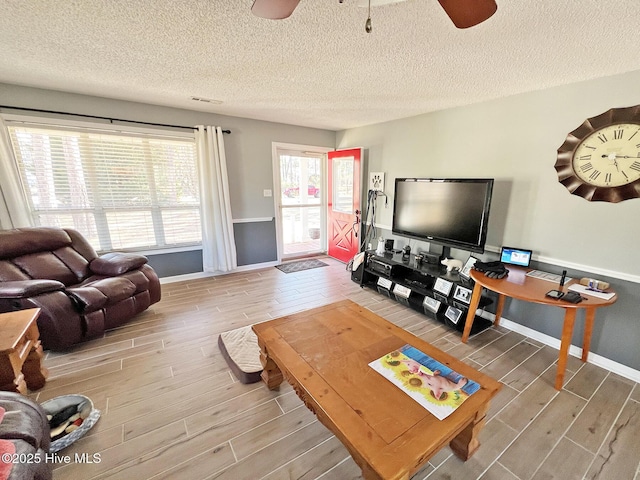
{"type": "Point", "coordinates": [267, 193]}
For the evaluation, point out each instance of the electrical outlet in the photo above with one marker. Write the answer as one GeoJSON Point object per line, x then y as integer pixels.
{"type": "Point", "coordinates": [376, 181]}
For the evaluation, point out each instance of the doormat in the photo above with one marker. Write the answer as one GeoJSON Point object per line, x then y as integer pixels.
{"type": "Point", "coordinates": [301, 265]}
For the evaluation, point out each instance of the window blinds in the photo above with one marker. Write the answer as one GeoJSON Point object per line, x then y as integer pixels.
{"type": "Point", "coordinates": [122, 190]}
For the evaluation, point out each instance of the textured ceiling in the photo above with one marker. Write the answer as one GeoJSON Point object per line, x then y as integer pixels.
{"type": "Point", "coordinates": [318, 68]}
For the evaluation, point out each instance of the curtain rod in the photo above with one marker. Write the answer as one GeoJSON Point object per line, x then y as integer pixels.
{"type": "Point", "coordinates": [101, 118]}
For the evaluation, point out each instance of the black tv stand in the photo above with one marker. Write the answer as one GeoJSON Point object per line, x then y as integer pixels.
{"type": "Point", "coordinates": [425, 287]}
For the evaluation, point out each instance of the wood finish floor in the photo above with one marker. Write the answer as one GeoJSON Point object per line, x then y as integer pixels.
{"type": "Point", "coordinates": [172, 409]}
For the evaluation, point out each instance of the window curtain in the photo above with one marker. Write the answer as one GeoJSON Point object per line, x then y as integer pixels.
{"type": "Point", "coordinates": [218, 242]}
{"type": "Point", "coordinates": [14, 212]}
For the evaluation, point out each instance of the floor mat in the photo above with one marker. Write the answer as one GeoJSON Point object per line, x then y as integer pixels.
{"type": "Point", "coordinates": [300, 265]}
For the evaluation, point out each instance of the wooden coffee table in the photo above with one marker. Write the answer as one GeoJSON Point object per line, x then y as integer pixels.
{"type": "Point", "coordinates": [21, 352]}
{"type": "Point", "coordinates": [324, 354]}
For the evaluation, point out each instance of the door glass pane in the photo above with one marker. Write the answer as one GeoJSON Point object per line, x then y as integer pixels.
{"type": "Point", "coordinates": [300, 180]}
{"type": "Point", "coordinates": [301, 230]}
{"type": "Point", "coordinates": [343, 185]}
{"type": "Point", "coordinates": [300, 198]}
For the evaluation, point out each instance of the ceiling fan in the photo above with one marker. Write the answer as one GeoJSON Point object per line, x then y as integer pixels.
{"type": "Point", "coordinates": [463, 13]}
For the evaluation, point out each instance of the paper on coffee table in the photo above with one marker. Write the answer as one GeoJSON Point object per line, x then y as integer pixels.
{"type": "Point", "coordinates": [430, 383]}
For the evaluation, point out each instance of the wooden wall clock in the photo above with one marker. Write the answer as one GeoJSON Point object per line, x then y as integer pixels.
{"type": "Point", "coordinates": [600, 160]}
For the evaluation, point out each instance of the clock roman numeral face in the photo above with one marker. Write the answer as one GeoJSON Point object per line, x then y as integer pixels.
{"type": "Point", "coordinates": [610, 156]}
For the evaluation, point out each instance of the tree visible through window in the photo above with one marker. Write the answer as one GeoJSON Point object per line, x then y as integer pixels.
{"type": "Point", "coordinates": [121, 190]}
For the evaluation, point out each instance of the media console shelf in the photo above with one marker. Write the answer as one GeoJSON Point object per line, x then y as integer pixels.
{"type": "Point", "coordinates": [427, 288]}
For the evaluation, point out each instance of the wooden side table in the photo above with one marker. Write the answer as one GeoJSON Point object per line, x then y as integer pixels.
{"type": "Point", "coordinates": [520, 286]}
{"type": "Point", "coordinates": [21, 352]}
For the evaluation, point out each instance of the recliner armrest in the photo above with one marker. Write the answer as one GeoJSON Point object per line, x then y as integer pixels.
{"type": "Point", "coordinates": [28, 288]}
{"type": "Point", "coordinates": [113, 264]}
{"type": "Point", "coordinates": [87, 299]}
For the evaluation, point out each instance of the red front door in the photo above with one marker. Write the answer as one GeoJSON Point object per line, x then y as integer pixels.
{"type": "Point", "coordinates": [343, 215]}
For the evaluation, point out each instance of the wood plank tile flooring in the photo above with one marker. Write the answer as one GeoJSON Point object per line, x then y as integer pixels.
{"type": "Point", "coordinates": [172, 409]}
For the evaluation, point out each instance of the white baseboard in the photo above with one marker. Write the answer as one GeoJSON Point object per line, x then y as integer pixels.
{"type": "Point", "coordinates": [186, 276]}
{"type": "Point", "coordinates": [574, 351]}
{"type": "Point", "coordinates": [256, 266]}
{"type": "Point", "coordinates": [198, 275]}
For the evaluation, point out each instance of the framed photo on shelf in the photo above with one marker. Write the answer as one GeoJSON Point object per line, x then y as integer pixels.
{"type": "Point", "coordinates": [401, 291]}
{"type": "Point", "coordinates": [443, 286]}
{"type": "Point", "coordinates": [462, 294]}
{"type": "Point", "coordinates": [431, 304]}
{"type": "Point", "coordinates": [453, 314]}
{"type": "Point", "coordinates": [467, 267]}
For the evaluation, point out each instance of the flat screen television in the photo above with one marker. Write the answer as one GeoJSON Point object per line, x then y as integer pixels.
{"type": "Point", "coordinates": [453, 212]}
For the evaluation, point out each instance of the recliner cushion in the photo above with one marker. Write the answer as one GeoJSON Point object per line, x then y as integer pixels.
{"type": "Point", "coordinates": [139, 279]}
{"type": "Point", "coordinates": [75, 262]}
{"type": "Point", "coordinates": [23, 241]}
{"type": "Point", "coordinates": [10, 273]}
{"type": "Point", "coordinates": [45, 265]}
{"type": "Point", "coordinates": [115, 289]}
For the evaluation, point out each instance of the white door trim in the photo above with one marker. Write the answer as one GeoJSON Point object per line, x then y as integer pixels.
{"type": "Point", "coordinates": [279, 146]}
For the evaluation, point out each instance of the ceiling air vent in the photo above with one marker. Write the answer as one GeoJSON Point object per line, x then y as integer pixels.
{"type": "Point", "coordinates": [206, 100]}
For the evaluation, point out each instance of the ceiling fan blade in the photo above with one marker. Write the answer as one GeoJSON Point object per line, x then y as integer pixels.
{"type": "Point", "coordinates": [274, 9]}
{"type": "Point", "coordinates": [467, 13]}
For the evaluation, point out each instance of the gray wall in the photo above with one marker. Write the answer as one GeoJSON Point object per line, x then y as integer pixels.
{"type": "Point", "coordinates": [248, 150]}
{"type": "Point", "coordinates": [256, 242]}
{"type": "Point", "coordinates": [177, 263]}
{"type": "Point", "coordinates": [515, 141]}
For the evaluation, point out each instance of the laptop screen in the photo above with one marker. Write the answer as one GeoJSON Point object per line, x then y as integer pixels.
{"type": "Point", "coordinates": [515, 256]}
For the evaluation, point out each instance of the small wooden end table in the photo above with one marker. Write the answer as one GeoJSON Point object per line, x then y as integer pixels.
{"type": "Point", "coordinates": [21, 352]}
{"type": "Point", "coordinates": [324, 353]}
{"type": "Point", "coordinates": [517, 284]}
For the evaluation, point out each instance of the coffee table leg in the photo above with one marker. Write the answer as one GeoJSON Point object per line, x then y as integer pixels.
{"type": "Point", "coordinates": [271, 374]}
{"type": "Point", "coordinates": [466, 443]}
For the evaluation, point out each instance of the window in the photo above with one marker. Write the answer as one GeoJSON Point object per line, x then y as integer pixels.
{"type": "Point", "coordinates": [123, 190]}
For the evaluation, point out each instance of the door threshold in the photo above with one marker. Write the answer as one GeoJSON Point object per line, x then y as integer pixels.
{"type": "Point", "coordinates": [302, 256]}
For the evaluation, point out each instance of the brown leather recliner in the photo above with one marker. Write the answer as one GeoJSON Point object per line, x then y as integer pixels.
{"type": "Point", "coordinates": [80, 294]}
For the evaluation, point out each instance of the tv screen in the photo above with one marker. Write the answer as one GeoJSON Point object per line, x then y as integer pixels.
{"type": "Point", "coordinates": [450, 212]}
